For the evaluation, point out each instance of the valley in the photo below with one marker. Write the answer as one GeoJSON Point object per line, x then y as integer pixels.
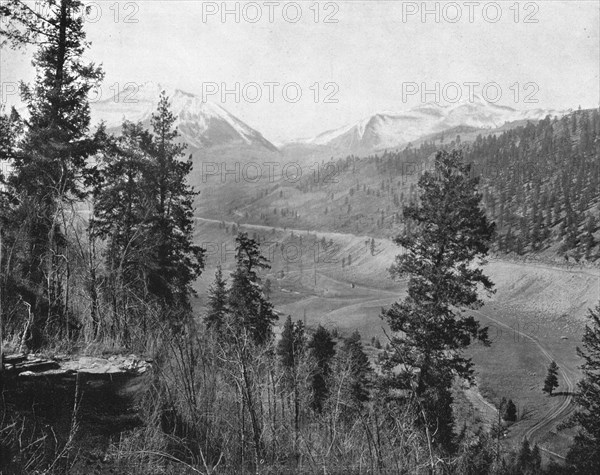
{"type": "Point", "coordinates": [328, 228]}
{"type": "Point", "coordinates": [535, 316]}
{"type": "Point", "coordinates": [348, 238]}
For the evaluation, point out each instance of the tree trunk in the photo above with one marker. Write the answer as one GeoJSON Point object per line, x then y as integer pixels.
{"type": "Point", "coordinates": [252, 412]}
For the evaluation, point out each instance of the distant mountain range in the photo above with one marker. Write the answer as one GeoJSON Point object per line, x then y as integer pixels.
{"type": "Point", "coordinates": [393, 129]}
{"type": "Point", "coordinates": [206, 126]}
{"type": "Point", "coordinates": [202, 125]}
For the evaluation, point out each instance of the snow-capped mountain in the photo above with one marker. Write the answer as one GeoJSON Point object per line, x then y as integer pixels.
{"type": "Point", "coordinates": [393, 129]}
{"type": "Point", "coordinates": [202, 125]}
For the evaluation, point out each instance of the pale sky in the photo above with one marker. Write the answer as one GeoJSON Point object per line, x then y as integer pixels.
{"type": "Point", "coordinates": [374, 48]}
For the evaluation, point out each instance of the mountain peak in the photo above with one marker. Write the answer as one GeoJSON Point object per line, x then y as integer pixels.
{"type": "Point", "coordinates": [393, 129]}
{"type": "Point", "coordinates": [201, 124]}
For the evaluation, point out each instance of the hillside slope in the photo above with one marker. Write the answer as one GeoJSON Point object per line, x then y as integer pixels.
{"type": "Point", "coordinates": [539, 184]}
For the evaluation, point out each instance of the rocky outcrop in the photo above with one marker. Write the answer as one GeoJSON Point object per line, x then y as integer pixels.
{"type": "Point", "coordinates": [79, 402]}
{"type": "Point", "coordinates": [25, 366]}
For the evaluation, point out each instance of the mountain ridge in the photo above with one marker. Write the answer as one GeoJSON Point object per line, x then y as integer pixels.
{"type": "Point", "coordinates": [384, 130]}
{"type": "Point", "coordinates": [202, 125]}
{"type": "Point", "coordinates": [208, 127]}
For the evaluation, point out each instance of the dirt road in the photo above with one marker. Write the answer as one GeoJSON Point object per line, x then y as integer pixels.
{"type": "Point", "coordinates": [540, 427]}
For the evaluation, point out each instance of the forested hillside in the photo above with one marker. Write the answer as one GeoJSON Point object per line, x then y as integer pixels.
{"type": "Point", "coordinates": [539, 181]}
{"type": "Point", "coordinates": [542, 184]}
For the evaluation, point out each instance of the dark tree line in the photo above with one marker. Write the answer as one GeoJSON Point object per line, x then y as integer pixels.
{"type": "Point", "coordinates": [134, 253]}
{"type": "Point", "coordinates": [49, 151]}
{"type": "Point", "coordinates": [541, 184]}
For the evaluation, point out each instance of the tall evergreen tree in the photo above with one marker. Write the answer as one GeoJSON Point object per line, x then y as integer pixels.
{"type": "Point", "coordinates": [322, 350]}
{"type": "Point", "coordinates": [528, 461]}
{"type": "Point", "coordinates": [291, 349]}
{"type": "Point", "coordinates": [524, 457]}
{"type": "Point", "coordinates": [360, 369]}
{"type": "Point", "coordinates": [144, 208]}
{"type": "Point", "coordinates": [452, 232]}
{"type": "Point", "coordinates": [120, 217]}
{"type": "Point", "coordinates": [510, 412]}
{"type": "Point", "coordinates": [292, 344]}
{"type": "Point", "coordinates": [248, 305]}
{"type": "Point", "coordinates": [584, 454]}
{"type": "Point", "coordinates": [50, 160]}
{"type": "Point", "coordinates": [177, 261]}
{"type": "Point", "coordinates": [536, 460]}
{"type": "Point", "coordinates": [217, 302]}
{"type": "Point", "coordinates": [551, 381]}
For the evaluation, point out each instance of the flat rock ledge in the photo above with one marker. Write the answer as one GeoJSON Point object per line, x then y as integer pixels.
{"type": "Point", "coordinates": [27, 366]}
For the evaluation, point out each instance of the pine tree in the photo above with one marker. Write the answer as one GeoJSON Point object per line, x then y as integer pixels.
{"type": "Point", "coordinates": [291, 348]}
{"type": "Point", "coordinates": [536, 460]}
{"type": "Point", "coordinates": [248, 305]}
{"type": "Point", "coordinates": [322, 350]}
{"type": "Point", "coordinates": [452, 232]}
{"type": "Point", "coordinates": [292, 344]}
{"type": "Point", "coordinates": [143, 207]}
{"type": "Point", "coordinates": [551, 381]}
{"type": "Point", "coordinates": [584, 454]}
{"type": "Point", "coordinates": [217, 302]}
{"type": "Point", "coordinates": [524, 458]}
{"type": "Point", "coordinates": [177, 261]}
{"type": "Point", "coordinates": [510, 411]}
{"type": "Point", "coordinates": [529, 460]}
{"type": "Point", "coordinates": [50, 160]}
{"type": "Point", "coordinates": [360, 369]}
{"type": "Point", "coordinates": [120, 217]}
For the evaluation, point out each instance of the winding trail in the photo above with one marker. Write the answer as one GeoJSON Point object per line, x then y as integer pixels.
{"type": "Point", "coordinates": [551, 416]}
{"type": "Point", "coordinates": [263, 227]}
